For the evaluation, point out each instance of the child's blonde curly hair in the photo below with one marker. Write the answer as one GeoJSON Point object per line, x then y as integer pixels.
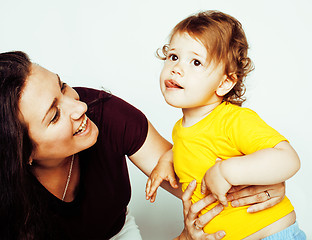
{"type": "Point", "coordinates": [226, 43]}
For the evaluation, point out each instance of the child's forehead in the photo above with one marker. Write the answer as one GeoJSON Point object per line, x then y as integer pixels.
{"type": "Point", "coordinates": [183, 34]}
{"type": "Point", "coordinates": [184, 40]}
{"type": "Point", "coordinates": [185, 37]}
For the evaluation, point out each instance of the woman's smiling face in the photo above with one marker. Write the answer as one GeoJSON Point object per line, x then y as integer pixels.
{"type": "Point", "coordinates": [55, 117]}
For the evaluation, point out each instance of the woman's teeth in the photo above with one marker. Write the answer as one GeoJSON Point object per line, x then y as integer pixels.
{"type": "Point", "coordinates": [83, 126]}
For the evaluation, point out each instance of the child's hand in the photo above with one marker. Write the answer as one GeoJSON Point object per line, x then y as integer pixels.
{"type": "Point", "coordinates": [215, 182]}
{"type": "Point", "coordinates": [163, 171]}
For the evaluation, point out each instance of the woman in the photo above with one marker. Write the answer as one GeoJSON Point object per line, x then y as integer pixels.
{"type": "Point", "coordinates": [63, 173]}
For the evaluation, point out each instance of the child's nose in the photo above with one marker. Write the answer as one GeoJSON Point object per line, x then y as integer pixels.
{"type": "Point", "coordinates": [177, 69]}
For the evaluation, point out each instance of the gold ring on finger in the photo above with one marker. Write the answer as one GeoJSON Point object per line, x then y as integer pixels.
{"type": "Point", "coordinates": [197, 227]}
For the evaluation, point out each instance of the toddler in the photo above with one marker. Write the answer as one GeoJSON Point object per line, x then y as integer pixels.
{"type": "Point", "coordinates": [205, 66]}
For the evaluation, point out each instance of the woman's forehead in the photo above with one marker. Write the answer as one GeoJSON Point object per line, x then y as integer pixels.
{"type": "Point", "coordinates": [38, 93]}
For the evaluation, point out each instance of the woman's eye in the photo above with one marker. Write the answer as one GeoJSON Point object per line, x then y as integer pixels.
{"type": "Point", "coordinates": [63, 87]}
{"type": "Point", "coordinates": [196, 63]}
{"type": "Point", "coordinates": [56, 116]}
{"type": "Point", "coordinates": [173, 57]}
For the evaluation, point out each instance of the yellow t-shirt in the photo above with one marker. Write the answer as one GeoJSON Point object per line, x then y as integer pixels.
{"type": "Point", "coordinates": [228, 131]}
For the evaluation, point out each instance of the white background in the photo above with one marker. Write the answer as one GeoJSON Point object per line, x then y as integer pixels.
{"type": "Point", "coordinates": [112, 44]}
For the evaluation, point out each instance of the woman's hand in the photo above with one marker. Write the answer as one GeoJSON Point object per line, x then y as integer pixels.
{"type": "Point", "coordinates": [193, 225]}
{"type": "Point", "coordinates": [260, 197]}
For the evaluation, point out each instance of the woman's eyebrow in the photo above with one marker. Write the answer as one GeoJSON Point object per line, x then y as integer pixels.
{"type": "Point", "coordinates": [59, 80]}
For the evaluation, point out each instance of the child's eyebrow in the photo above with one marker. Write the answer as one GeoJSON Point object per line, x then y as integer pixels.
{"type": "Point", "coordinates": [198, 55]}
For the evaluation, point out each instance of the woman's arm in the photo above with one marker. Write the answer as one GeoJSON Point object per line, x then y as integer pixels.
{"type": "Point", "coordinates": [148, 155]}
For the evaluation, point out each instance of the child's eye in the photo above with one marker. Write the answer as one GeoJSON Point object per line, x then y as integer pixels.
{"type": "Point", "coordinates": [196, 63]}
{"type": "Point", "coordinates": [173, 57]}
{"type": "Point", "coordinates": [56, 116]}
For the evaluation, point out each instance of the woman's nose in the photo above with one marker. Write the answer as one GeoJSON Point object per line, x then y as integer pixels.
{"type": "Point", "coordinates": [76, 108]}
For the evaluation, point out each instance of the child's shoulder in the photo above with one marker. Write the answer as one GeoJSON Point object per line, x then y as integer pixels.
{"type": "Point", "coordinates": [235, 108]}
{"type": "Point", "coordinates": [232, 110]}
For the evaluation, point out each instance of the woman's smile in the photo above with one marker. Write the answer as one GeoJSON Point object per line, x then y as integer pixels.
{"type": "Point", "coordinates": [82, 127]}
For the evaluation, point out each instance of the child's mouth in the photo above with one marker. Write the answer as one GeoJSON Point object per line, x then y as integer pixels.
{"type": "Point", "coordinates": [172, 84]}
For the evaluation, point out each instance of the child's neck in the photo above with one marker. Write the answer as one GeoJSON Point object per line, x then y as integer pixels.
{"type": "Point", "coordinates": [192, 116]}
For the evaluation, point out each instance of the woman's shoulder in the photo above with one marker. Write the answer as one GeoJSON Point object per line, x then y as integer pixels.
{"type": "Point", "coordinates": [89, 95]}
{"type": "Point", "coordinates": [103, 105]}
{"type": "Point", "coordinates": [94, 97]}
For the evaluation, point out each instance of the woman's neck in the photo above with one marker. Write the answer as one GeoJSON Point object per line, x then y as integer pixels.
{"type": "Point", "coordinates": [52, 163]}
{"type": "Point", "coordinates": [192, 116]}
{"type": "Point", "coordinates": [54, 176]}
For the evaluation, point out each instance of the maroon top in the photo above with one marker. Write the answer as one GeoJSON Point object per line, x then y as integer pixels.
{"type": "Point", "coordinates": [98, 211]}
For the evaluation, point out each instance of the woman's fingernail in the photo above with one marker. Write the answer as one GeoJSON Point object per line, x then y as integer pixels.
{"type": "Point", "coordinates": [250, 210]}
{"type": "Point", "coordinates": [221, 234]}
{"type": "Point", "coordinates": [230, 198]}
{"type": "Point", "coordinates": [193, 183]}
{"type": "Point", "coordinates": [234, 203]}
{"type": "Point", "coordinates": [219, 207]}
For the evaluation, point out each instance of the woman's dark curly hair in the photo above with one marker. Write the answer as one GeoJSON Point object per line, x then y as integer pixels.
{"type": "Point", "coordinates": [226, 43]}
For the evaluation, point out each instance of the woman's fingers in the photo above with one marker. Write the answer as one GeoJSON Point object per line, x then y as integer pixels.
{"type": "Point", "coordinates": [204, 219]}
{"type": "Point", "coordinates": [215, 236]}
{"type": "Point", "coordinates": [276, 190]}
{"type": "Point", "coordinates": [186, 197]}
{"type": "Point", "coordinates": [203, 187]}
{"type": "Point", "coordinates": [254, 193]}
{"type": "Point", "coordinates": [255, 199]}
{"type": "Point", "coordinates": [193, 224]}
{"type": "Point", "coordinates": [198, 206]}
{"type": "Point", "coordinates": [260, 197]}
{"type": "Point", "coordinates": [264, 205]}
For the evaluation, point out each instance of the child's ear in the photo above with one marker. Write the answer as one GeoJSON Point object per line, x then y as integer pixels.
{"type": "Point", "coordinates": [226, 85]}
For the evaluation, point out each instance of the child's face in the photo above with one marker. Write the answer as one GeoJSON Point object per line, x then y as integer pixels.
{"type": "Point", "coordinates": [187, 80]}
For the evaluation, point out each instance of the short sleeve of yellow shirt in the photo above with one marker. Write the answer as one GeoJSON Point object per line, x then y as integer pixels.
{"type": "Point", "coordinates": [249, 132]}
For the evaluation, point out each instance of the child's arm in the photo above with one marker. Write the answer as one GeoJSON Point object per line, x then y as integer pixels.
{"type": "Point", "coordinates": [163, 171]}
{"type": "Point", "coordinates": [266, 166]}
